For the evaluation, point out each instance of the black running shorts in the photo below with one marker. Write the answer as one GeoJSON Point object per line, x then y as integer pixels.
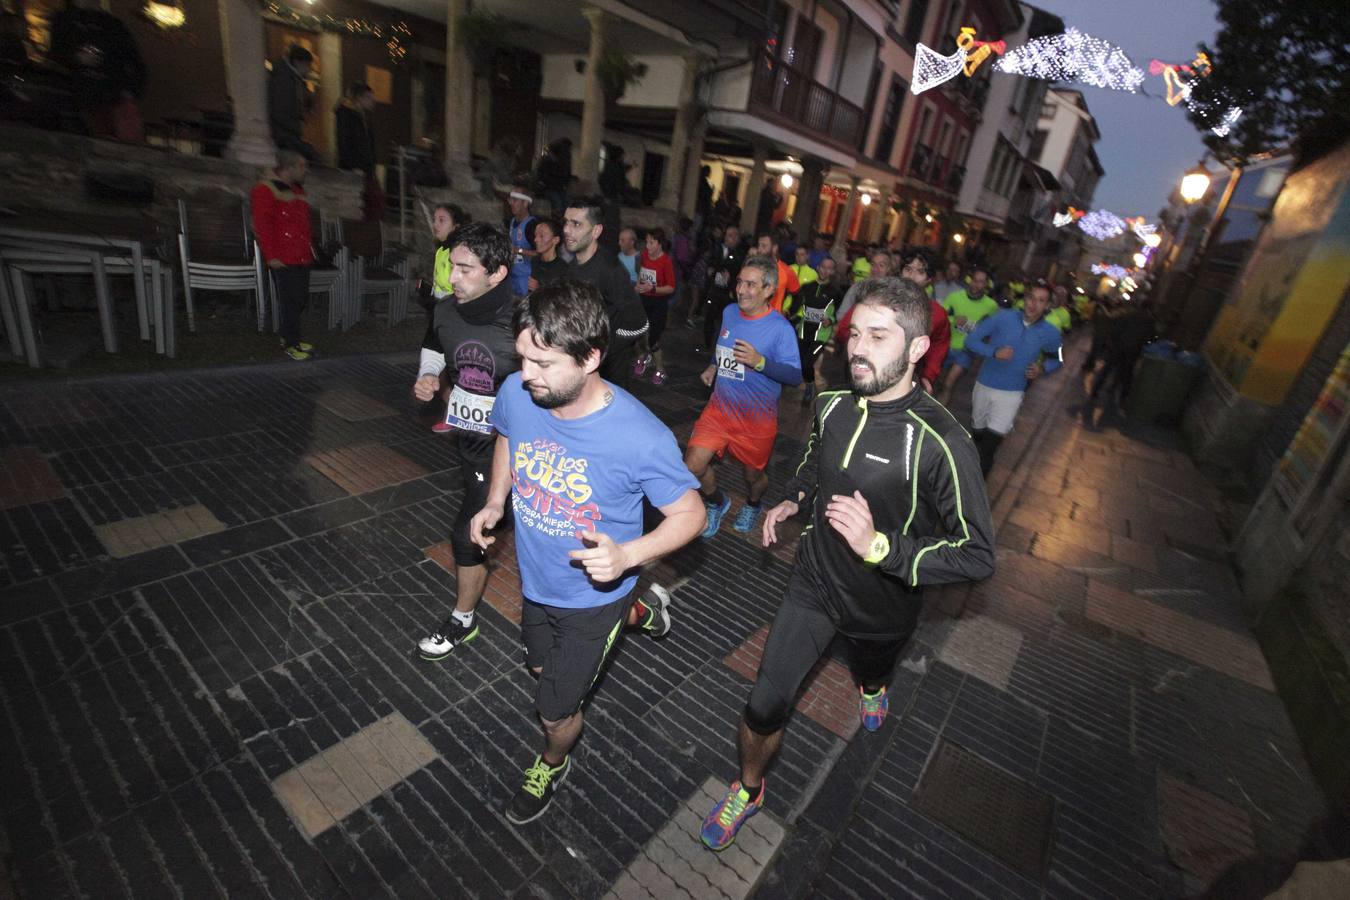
{"type": "Point", "coordinates": [570, 646]}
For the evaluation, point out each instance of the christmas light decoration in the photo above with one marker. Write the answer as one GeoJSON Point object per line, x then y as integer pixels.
{"type": "Point", "coordinates": [981, 49]}
{"type": "Point", "coordinates": [932, 68]}
{"type": "Point", "coordinates": [1229, 120]}
{"type": "Point", "coordinates": [397, 36]}
{"type": "Point", "coordinates": [1116, 272]}
{"type": "Point", "coordinates": [1062, 219]}
{"type": "Point", "coordinates": [1073, 56]}
{"type": "Point", "coordinates": [1101, 224]}
{"type": "Point", "coordinates": [1142, 229]}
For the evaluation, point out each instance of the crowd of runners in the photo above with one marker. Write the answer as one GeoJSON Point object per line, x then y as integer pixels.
{"type": "Point", "coordinates": [537, 327]}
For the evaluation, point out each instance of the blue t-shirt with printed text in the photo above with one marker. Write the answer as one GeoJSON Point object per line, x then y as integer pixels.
{"type": "Point", "coordinates": [582, 475]}
{"type": "Point", "coordinates": [748, 397]}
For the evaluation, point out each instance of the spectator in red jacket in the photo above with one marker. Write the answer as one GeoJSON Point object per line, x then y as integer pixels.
{"type": "Point", "coordinates": [917, 266]}
{"type": "Point", "coordinates": [281, 225]}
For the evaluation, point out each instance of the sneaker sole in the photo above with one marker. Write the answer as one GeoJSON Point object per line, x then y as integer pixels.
{"type": "Point", "coordinates": [544, 808]}
{"type": "Point", "coordinates": [471, 635]}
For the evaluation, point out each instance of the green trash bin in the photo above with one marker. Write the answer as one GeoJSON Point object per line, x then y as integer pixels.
{"type": "Point", "coordinates": [1160, 391]}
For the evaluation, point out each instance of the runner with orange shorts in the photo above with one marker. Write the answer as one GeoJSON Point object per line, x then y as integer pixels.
{"type": "Point", "coordinates": [755, 356]}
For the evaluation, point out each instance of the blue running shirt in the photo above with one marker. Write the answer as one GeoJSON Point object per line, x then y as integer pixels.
{"type": "Point", "coordinates": [582, 475]}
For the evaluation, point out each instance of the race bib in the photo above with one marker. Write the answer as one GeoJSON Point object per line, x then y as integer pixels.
{"type": "Point", "coordinates": [813, 314]}
{"type": "Point", "coordinates": [470, 412]}
{"type": "Point", "coordinates": [647, 276]}
{"type": "Point", "coordinates": [727, 366]}
{"type": "Point", "coordinates": [966, 328]}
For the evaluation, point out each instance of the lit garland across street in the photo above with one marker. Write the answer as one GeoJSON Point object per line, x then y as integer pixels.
{"type": "Point", "coordinates": [1073, 56]}
{"type": "Point", "coordinates": [1101, 224]}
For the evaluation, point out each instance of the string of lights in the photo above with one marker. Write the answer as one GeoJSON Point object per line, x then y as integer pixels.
{"type": "Point", "coordinates": [1073, 56]}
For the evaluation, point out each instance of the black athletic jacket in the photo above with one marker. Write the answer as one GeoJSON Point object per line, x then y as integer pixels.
{"type": "Point", "coordinates": [920, 474]}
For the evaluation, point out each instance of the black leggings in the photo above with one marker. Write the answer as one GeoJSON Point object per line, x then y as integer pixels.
{"type": "Point", "coordinates": [801, 633]}
{"type": "Point", "coordinates": [809, 349]}
{"type": "Point", "coordinates": [658, 310]}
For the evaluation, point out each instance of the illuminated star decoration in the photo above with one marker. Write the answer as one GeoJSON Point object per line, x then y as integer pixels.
{"type": "Point", "coordinates": [932, 68]}
{"type": "Point", "coordinates": [1101, 224]}
{"type": "Point", "coordinates": [1116, 272]}
{"type": "Point", "coordinates": [1073, 56]}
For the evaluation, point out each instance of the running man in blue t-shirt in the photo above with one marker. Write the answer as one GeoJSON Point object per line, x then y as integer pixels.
{"type": "Point", "coordinates": [576, 493]}
{"type": "Point", "coordinates": [756, 354]}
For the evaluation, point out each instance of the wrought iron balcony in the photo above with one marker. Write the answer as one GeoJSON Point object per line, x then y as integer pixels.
{"type": "Point", "coordinates": [783, 89]}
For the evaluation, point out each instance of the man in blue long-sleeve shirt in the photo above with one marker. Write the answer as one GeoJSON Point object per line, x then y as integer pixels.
{"type": "Point", "coordinates": [1014, 343]}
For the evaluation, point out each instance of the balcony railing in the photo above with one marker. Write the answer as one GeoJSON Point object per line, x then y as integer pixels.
{"type": "Point", "coordinates": [921, 163]}
{"type": "Point", "coordinates": [788, 91]}
{"type": "Point", "coordinates": [956, 176]}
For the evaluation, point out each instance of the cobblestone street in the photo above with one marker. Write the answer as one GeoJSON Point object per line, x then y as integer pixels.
{"type": "Point", "coordinates": [212, 583]}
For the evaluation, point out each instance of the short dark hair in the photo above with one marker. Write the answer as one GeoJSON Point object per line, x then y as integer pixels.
{"type": "Point", "coordinates": [458, 214]}
{"type": "Point", "coordinates": [298, 54]}
{"type": "Point", "coordinates": [593, 206]}
{"type": "Point", "coordinates": [904, 298]}
{"type": "Point", "coordinates": [552, 222]}
{"type": "Point", "coordinates": [660, 234]}
{"type": "Point", "coordinates": [566, 315]}
{"type": "Point", "coordinates": [921, 255]}
{"type": "Point", "coordinates": [766, 265]}
{"type": "Point", "coordinates": [975, 270]}
{"type": "Point", "coordinates": [489, 244]}
{"type": "Point", "coordinates": [773, 238]}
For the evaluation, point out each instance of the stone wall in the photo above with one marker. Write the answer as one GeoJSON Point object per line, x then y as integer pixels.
{"type": "Point", "coordinates": [47, 170]}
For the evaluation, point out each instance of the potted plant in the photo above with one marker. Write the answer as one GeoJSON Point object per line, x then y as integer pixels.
{"type": "Point", "coordinates": [617, 71]}
{"type": "Point", "coordinates": [484, 34]}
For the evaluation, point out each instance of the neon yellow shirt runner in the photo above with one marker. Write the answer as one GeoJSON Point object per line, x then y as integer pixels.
{"type": "Point", "coordinates": [440, 277]}
{"type": "Point", "coordinates": [1059, 318]}
{"type": "Point", "coordinates": [805, 275]}
{"type": "Point", "coordinates": [959, 303]}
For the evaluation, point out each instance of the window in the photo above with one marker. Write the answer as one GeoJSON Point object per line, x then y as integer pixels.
{"type": "Point", "coordinates": [890, 120]}
{"type": "Point", "coordinates": [991, 173]}
{"type": "Point", "coordinates": [913, 30]}
{"type": "Point", "coordinates": [1037, 144]}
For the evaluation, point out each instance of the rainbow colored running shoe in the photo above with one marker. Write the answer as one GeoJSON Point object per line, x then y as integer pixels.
{"type": "Point", "coordinates": [727, 817]}
{"type": "Point", "coordinates": [873, 708]}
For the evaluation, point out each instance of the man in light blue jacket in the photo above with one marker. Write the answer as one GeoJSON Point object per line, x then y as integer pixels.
{"type": "Point", "coordinates": [1018, 346]}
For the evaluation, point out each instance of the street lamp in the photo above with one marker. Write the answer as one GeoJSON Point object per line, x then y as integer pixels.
{"type": "Point", "coordinates": [865, 199]}
{"type": "Point", "coordinates": [1140, 260]}
{"type": "Point", "coordinates": [786, 181]}
{"type": "Point", "coordinates": [1195, 184]}
{"type": "Point", "coordinates": [1153, 239]}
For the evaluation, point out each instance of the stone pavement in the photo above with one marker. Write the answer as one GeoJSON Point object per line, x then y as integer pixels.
{"type": "Point", "coordinates": [211, 583]}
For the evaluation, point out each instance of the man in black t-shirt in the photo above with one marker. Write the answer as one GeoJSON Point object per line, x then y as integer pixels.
{"type": "Point", "coordinates": [595, 265]}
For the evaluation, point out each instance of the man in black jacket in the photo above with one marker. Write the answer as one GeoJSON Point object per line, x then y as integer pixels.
{"type": "Point", "coordinates": [287, 98]}
{"type": "Point", "coordinates": [595, 265]}
{"type": "Point", "coordinates": [471, 340]}
{"type": "Point", "coordinates": [724, 264]}
{"type": "Point", "coordinates": [897, 503]}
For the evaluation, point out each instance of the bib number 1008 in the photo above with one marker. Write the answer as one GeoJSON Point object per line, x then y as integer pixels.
{"type": "Point", "coordinates": [471, 412]}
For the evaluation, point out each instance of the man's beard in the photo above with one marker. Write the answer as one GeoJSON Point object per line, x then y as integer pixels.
{"type": "Point", "coordinates": [556, 397]}
{"type": "Point", "coordinates": [888, 378]}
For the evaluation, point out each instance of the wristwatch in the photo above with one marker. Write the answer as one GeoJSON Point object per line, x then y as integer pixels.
{"type": "Point", "coordinates": [759, 366]}
{"type": "Point", "coordinates": [879, 549]}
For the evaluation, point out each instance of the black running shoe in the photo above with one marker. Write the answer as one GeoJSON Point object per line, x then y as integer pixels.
{"type": "Point", "coordinates": [534, 796]}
